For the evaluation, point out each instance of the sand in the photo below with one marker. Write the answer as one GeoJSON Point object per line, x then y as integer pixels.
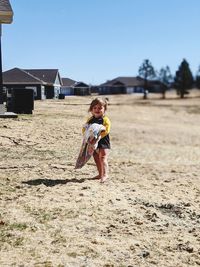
{"type": "Point", "coordinates": [146, 214]}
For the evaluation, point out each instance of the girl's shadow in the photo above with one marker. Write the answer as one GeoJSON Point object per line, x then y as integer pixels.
{"type": "Point", "coordinates": [51, 182]}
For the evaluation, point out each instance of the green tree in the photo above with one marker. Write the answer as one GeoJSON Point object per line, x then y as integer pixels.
{"type": "Point", "coordinates": [165, 77]}
{"type": "Point", "coordinates": [183, 79]}
{"type": "Point", "coordinates": [198, 78]}
{"type": "Point", "coordinates": [146, 71]}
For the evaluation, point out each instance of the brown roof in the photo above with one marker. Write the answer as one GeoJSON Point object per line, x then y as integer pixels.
{"type": "Point", "coordinates": [19, 76]}
{"type": "Point", "coordinates": [126, 81]}
{"type": "Point", "coordinates": [81, 85]}
{"type": "Point", "coordinates": [46, 75]}
{"type": "Point", "coordinates": [28, 76]}
{"type": "Point", "coordinates": [6, 13]}
{"type": "Point", "coordinates": [68, 82]}
{"type": "Point", "coordinates": [131, 81]}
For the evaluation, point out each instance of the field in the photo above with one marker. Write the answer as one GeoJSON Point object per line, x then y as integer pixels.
{"type": "Point", "coordinates": [146, 214]}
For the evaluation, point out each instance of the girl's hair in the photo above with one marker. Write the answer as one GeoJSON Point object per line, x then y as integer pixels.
{"type": "Point", "coordinates": [98, 101]}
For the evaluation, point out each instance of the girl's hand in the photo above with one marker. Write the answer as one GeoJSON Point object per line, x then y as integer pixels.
{"type": "Point", "coordinates": [92, 140]}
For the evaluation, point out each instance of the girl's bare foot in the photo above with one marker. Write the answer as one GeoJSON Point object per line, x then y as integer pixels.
{"type": "Point", "coordinates": [103, 179]}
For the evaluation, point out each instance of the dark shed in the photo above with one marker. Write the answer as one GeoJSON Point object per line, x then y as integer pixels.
{"type": "Point", "coordinates": [81, 88]}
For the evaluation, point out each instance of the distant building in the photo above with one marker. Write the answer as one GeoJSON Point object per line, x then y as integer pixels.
{"type": "Point", "coordinates": [94, 89]}
{"type": "Point", "coordinates": [122, 85]}
{"type": "Point", "coordinates": [45, 83]}
{"type": "Point", "coordinates": [6, 17]}
{"type": "Point", "coordinates": [6, 12]}
{"type": "Point", "coordinates": [81, 88]}
{"type": "Point", "coordinates": [51, 78]}
{"type": "Point", "coordinates": [129, 85]}
{"type": "Point", "coordinates": [67, 87]}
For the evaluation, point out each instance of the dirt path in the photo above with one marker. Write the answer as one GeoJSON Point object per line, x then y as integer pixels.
{"type": "Point", "coordinates": [147, 214]}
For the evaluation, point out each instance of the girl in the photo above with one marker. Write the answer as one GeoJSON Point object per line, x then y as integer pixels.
{"type": "Point", "coordinates": [97, 109]}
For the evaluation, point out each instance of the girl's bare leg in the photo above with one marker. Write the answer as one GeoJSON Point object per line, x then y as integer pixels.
{"type": "Point", "coordinates": [98, 164]}
{"type": "Point", "coordinates": [103, 158]}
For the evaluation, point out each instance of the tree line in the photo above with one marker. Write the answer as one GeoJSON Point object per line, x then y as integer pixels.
{"type": "Point", "coordinates": [182, 81]}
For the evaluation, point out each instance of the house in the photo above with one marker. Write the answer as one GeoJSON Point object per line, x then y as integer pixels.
{"type": "Point", "coordinates": [122, 85]}
{"type": "Point", "coordinates": [51, 78]}
{"type": "Point", "coordinates": [6, 17]}
{"type": "Point", "coordinates": [129, 85]}
{"type": "Point", "coordinates": [81, 88]}
{"type": "Point", "coordinates": [6, 13]}
{"type": "Point", "coordinates": [67, 87]}
{"type": "Point", "coordinates": [112, 87]}
{"type": "Point", "coordinates": [94, 89]}
{"type": "Point", "coordinates": [18, 78]}
{"type": "Point", "coordinates": [45, 83]}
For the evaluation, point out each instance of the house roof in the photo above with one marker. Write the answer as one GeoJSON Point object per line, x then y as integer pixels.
{"type": "Point", "coordinates": [19, 76]}
{"type": "Point", "coordinates": [46, 75]}
{"type": "Point", "coordinates": [68, 82]}
{"type": "Point", "coordinates": [31, 76]}
{"type": "Point", "coordinates": [80, 85]}
{"type": "Point", "coordinates": [6, 13]}
{"type": "Point", "coordinates": [126, 81]}
{"type": "Point", "coordinates": [131, 81]}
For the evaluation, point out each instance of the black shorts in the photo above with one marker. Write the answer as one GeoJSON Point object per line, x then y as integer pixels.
{"type": "Point", "coordinates": [104, 142]}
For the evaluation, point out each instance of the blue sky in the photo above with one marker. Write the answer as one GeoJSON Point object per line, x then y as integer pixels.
{"type": "Point", "coordinates": [97, 40]}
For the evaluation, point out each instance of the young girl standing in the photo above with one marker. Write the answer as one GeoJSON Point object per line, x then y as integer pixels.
{"type": "Point", "coordinates": [97, 109]}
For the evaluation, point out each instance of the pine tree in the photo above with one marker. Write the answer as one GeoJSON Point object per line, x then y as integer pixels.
{"type": "Point", "coordinates": [146, 71]}
{"type": "Point", "coordinates": [198, 78]}
{"type": "Point", "coordinates": [165, 77]}
{"type": "Point", "coordinates": [183, 79]}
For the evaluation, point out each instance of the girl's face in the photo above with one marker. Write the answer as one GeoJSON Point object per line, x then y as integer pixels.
{"type": "Point", "coordinates": [98, 111]}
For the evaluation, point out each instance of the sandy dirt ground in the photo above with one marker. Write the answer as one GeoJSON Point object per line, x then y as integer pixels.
{"type": "Point", "coordinates": [146, 214]}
